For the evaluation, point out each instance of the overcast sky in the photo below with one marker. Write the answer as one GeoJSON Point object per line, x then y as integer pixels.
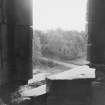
{"type": "Point", "coordinates": [64, 14]}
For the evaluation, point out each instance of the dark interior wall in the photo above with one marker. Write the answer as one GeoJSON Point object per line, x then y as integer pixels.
{"type": "Point", "coordinates": [20, 11]}
{"type": "Point", "coordinates": [96, 31]}
{"type": "Point", "coordinates": [16, 40]}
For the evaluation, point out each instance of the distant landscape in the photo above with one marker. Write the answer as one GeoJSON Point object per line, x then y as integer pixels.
{"type": "Point", "coordinates": [59, 44]}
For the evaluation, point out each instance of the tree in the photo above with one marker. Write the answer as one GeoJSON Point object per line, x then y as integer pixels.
{"type": "Point", "coordinates": [36, 47]}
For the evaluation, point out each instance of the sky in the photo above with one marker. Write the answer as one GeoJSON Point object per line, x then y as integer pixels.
{"type": "Point", "coordinates": [64, 14]}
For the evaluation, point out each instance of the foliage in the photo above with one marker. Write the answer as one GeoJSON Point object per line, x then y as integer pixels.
{"type": "Point", "coordinates": [36, 47]}
{"type": "Point", "coordinates": [62, 44]}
